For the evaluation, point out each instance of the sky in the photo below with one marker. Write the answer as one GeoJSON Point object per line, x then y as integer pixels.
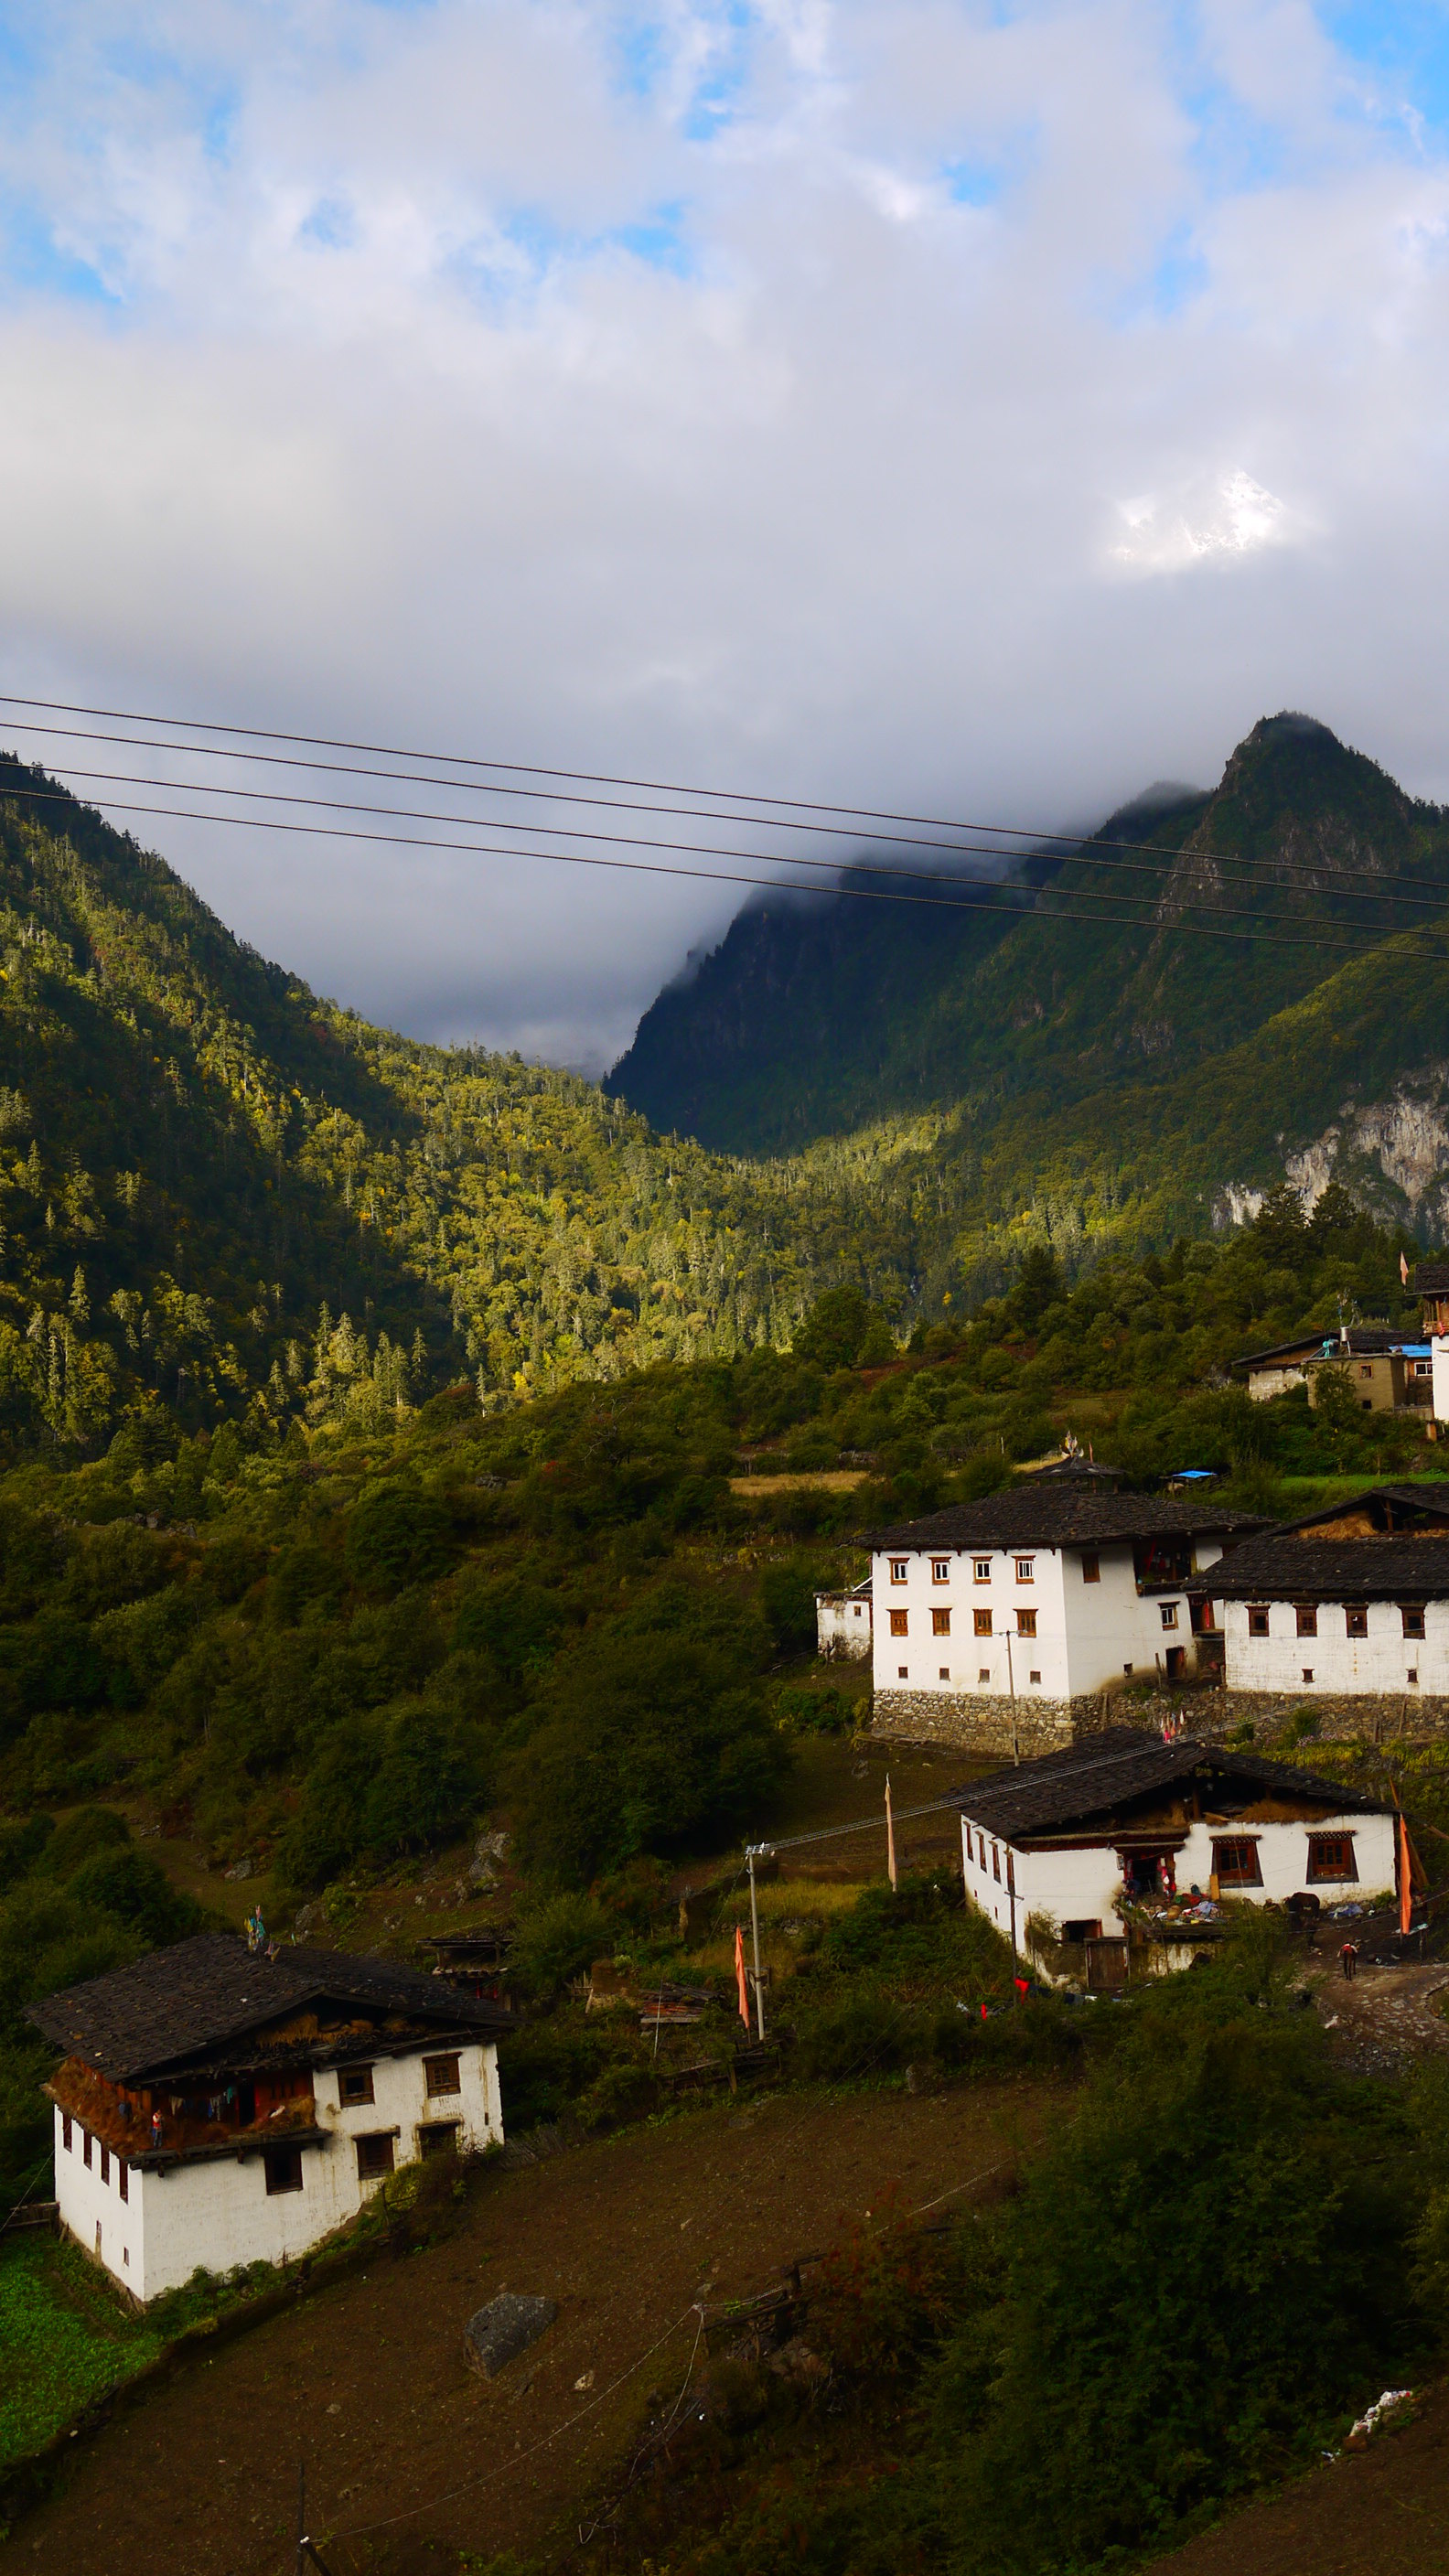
{"type": "Point", "coordinates": [980, 407]}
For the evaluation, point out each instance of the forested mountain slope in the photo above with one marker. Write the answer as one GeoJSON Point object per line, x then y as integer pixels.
{"type": "Point", "coordinates": [1131, 952]}
{"type": "Point", "coordinates": [220, 1194]}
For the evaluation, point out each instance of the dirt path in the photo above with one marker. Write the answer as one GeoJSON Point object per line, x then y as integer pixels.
{"type": "Point", "coordinates": [1380, 2512]}
{"type": "Point", "coordinates": [367, 2384]}
{"type": "Point", "coordinates": [1384, 2017]}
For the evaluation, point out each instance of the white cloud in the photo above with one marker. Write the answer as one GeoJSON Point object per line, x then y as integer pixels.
{"type": "Point", "coordinates": [773, 394]}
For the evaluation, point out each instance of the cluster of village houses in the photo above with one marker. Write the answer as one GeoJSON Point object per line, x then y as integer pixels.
{"type": "Point", "coordinates": [225, 2102]}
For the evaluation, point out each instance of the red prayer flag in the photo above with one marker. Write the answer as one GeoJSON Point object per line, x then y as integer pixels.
{"type": "Point", "coordinates": [740, 1982]}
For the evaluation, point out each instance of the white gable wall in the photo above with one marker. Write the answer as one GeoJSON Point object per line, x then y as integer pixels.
{"type": "Point", "coordinates": [1087, 1633]}
{"type": "Point", "coordinates": [216, 2215]}
{"type": "Point", "coordinates": [1346, 1666]}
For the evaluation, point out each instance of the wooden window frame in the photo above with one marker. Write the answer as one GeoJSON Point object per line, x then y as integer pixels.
{"type": "Point", "coordinates": [1321, 1877]}
{"type": "Point", "coordinates": [360, 2078]}
{"type": "Point", "coordinates": [123, 2178]}
{"type": "Point", "coordinates": [900, 1569]}
{"type": "Point", "coordinates": [1025, 1620]}
{"type": "Point", "coordinates": [87, 2143]}
{"type": "Point", "coordinates": [443, 2077]}
{"type": "Point", "coordinates": [1412, 1610]}
{"type": "Point", "coordinates": [1236, 1876]}
{"type": "Point", "coordinates": [900, 1623]}
{"type": "Point", "coordinates": [981, 1569]}
{"type": "Point", "coordinates": [1355, 1612]}
{"type": "Point", "coordinates": [1026, 1569]}
{"type": "Point", "coordinates": [982, 1619]}
{"type": "Point", "coordinates": [940, 1623]}
{"type": "Point", "coordinates": [376, 2154]}
{"type": "Point", "coordinates": [940, 1569]}
{"type": "Point", "coordinates": [439, 2137]}
{"type": "Point", "coordinates": [1306, 1613]}
{"type": "Point", "coordinates": [65, 2133]}
{"type": "Point", "coordinates": [283, 2170]}
{"type": "Point", "coordinates": [1091, 1567]}
{"type": "Point", "coordinates": [1169, 1611]}
{"type": "Point", "coordinates": [1258, 1619]}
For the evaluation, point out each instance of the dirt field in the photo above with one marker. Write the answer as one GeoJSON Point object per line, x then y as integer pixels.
{"type": "Point", "coordinates": [1381, 2512]}
{"type": "Point", "coordinates": [367, 2382]}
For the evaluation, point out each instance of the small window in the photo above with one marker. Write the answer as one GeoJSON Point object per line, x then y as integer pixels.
{"type": "Point", "coordinates": [438, 2137]}
{"type": "Point", "coordinates": [1307, 1619]}
{"type": "Point", "coordinates": [1025, 1622]}
{"type": "Point", "coordinates": [65, 2131]}
{"type": "Point", "coordinates": [1236, 1862]}
{"type": "Point", "coordinates": [1082, 1931]}
{"type": "Point", "coordinates": [944, 1673]}
{"type": "Point", "coordinates": [858, 1611]}
{"type": "Point", "coordinates": [898, 1569]}
{"type": "Point", "coordinates": [996, 1863]}
{"type": "Point", "coordinates": [1308, 1672]}
{"type": "Point", "coordinates": [374, 2156]}
{"type": "Point", "coordinates": [940, 1623]}
{"type": "Point", "coordinates": [1355, 1618]}
{"type": "Point", "coordinates": [940, 1569]}
{"type": "Point", "coordinates": [86, 2148]}
{"type": "Point", "coordinates": [981, 1569]}
{"type": "Point", "coordinates": [1127, 1669]}
{"type": "Point", "coordinates": [981, 1839]}
{"type": "Point", "coordinates": [440, 2074]}
{"type": "Point", "coordinates": [1412, 1675]}
{"type": "Point", "coordinates": [123, 2178]}
{"type": "Point", "coordinates": [1169, 1614]}
{"type": "Point", "coordinates": [1091, 1569]}
{"type": "Point", "coordinates": [1412, 1614]}
{"type": "Point", "coordinates": [982, 1619]}
{"type": "Point", "coordinates": [354, 2084]}
{"type": "Point", "coordinates": [1366, 1368]}
{"type": "Point", "coordinates": [900, 1621]}
{"type": "Point", "coordinates": [284, 2170]}
{"type": "Point", "coordinates": [1330, 1856]}
{"type": "Point", "coordinates": [1034, 1677]}
{"type": "Point", "coordinates": [1258, 1620]}
{"type": "Point", "coordinates": [105, 2163]}
{"type": "Point", "coordinates": [1024, 1570]}
{"type": "Point", "coordinates": [983, 1673]}
{"type": "Point", "coordinates": [902, 1674]}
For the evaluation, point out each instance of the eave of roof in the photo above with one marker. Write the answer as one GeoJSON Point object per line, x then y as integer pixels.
{"type": "Point", "coordinates": [1348, 1569]}
{"type": "Point", "coordinates": [1027, 1516]}
{"type": "Point", "coordinates": [1101, 1773]}
{"type": "Point", "coordinates": [1413, 1497]}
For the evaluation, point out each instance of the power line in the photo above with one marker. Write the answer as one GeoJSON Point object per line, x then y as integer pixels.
{"type": "Point", "coordinates": [1038, 909]}
{"type": "Point", "coordinates": [698, 849]}
{"type": "Point", "coordinates": [787, 805]}
{"type": "Point", "coordinates": [1238, 873]}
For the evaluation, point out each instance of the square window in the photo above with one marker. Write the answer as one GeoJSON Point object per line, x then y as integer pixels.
{"type": "Point", "coordinates": [1308, 1672]}
{"type": "Point", "coordinates": [284, 2170]}
{"type": "Point", "coordinates": [1127, 1669]}
{"type": "Point", "coordinates": [1024, 1573]}
{"type": "Point", "coordinates": [439, 2137]}
{"type": "Point", "coordinates": [1413, 1618]}
{"type": "Point", "coordinates": [900, 1621]}
{"type": "Point", "coordinates": [984, 1673]}
{"type": "Point", "coordinates": [374, 2156]}
{"type": "Point", "coordinates": [981, 1569]}
{"type": "Point", "coordinates": [940, 1569]}
{"type": "Point", "coordinates": [901, 1673]}
{"type": "Point", "coordinates": [898, 1569]}
{"type": "Point", "coordinates": [945, 1673]}
{"type": "Point", "coordinates": [982, 1620]}
{"type": "Point", "coordinates": [1091, 1569]}
{"type": "Point", "coordinates": [1169, 1614]}
{"type": "Point", "coordinates": [1025, 1622]}
{"type": "Point", "coordinates": [940, 1623]}
{"type": "Point", "coordinates": [1258, 1621]}
{"type": "Point", "coordinates": [354, 2084]}
{"type": "Point", "coordinates": [1034, 1677]}
{"type": "Point", "coordinates": [1236, 1862]}
{"type": "Point", "coordinates": [1307, 1619]}
{"type": "Point", "coordinates": [440, 2074]}
{"type": "Point", "coordinates": [1355, 1618]}
{"type": "Point", "coordinates": [1330, 1856]}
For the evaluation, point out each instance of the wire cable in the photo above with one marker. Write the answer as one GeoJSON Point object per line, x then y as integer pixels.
{"type": "Point", "coordinates": [1030, 905]}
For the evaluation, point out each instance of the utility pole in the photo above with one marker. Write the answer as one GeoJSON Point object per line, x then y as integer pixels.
{"type": "Point", "coordinates": [755, 1937]}
{"type": "Point", "coordinates": [1011, 1685]}
{"type": "Point", "coordinates": [890, 1836]}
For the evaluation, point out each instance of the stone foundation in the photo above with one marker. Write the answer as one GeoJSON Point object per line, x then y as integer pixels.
{"type": "Point", "coordinates": [978, 1722]}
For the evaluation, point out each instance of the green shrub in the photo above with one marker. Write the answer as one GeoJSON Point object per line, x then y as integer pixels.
{"type": "Point", "coordinates": [815, 1708]}
{"type": "Point", "coordinates": [398, 1532]}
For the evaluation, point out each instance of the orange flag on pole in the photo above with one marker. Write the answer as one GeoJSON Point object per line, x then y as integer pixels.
{"type": "Point", "coordinates": [1406, 1876]}
{"type": "Point", "coordinates": [740, 1980]}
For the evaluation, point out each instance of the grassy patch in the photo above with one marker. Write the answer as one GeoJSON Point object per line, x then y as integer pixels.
{"type": "Point", "coordinates": [64, 2339]}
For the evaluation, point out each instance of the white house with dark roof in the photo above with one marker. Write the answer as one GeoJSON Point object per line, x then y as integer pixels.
{"type": "Point", "coordinates": [218, 2107]}
{"type": "Point", "coordinates": [1001, 1623]}
{"type": "Point", "coordinates": [1350, 1602]}
{"type": "Point", "coordinates": [1118, 1853]}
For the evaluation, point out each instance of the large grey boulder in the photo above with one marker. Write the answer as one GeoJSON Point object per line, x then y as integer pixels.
{"type": "Point", "coordinates": [504, 2329]}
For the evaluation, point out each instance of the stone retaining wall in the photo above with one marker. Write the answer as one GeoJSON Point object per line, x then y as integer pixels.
{"type": "Point", "coordinates": [975, 1722]}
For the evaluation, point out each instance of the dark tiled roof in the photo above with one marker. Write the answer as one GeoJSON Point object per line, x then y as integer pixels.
{"type": "Point", "coordinates": [212, 1990]}
{"type": "Point", "coordinates": [1340, 1569]}
{"type": "Point", "coordinates": [1385, 1504]}
{"type": "Point", "coordinates": [1055, 1516]}
{"type": "Point", "coordinates": [1103, 1773]}
{"type": "Point", "coordinates": [1431, 1276]}
{"type": "Point", "coordinates": [1364, 1341]}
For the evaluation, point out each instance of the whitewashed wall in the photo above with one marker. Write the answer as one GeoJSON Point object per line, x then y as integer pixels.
{"type": "Point", "coordinates": [1342, 1665]}
{"type": "Point", "coordinates": [217, 2215]}
{"type": "Point", "coordinates": [1088, 1634]}
{"type": "Point", "coordinates": [842, 1625]}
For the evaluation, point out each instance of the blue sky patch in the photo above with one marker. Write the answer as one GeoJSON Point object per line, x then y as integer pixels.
{"type": "Point", "coordinates": [331, 225]}
{"type": "Point", "coordinates": [34, 261]}
{"type": "Point", "coordinates": [1405, 48]}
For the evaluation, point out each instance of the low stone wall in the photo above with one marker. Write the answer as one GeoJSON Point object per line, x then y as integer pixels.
{"type": "Point", "coordinates": [975, 1722]}
{"type": "Point", "coordinates": [1372, 1718]}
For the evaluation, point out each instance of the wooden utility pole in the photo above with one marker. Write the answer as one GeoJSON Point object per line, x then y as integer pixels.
{"type": "Point", "coordinates": [1011, 1686]}
{"type": "Point", "coordinates": [890, 1834]}
{"type": "Point", "coordinates": [755, 1936]}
